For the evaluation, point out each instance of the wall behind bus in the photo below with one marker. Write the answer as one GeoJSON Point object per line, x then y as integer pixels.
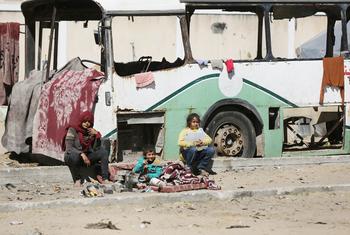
{"type": "Point", "coordinates": [134, 37]}
{"type": "Point", "coordinates": [212, 37]}
{"type": "Point", "coordinates": [80, 41]}
{"type": "Point", "coordinates": [235, 36]}
{"type": "Point", "coordinates": [288, 35]}
{"type": "Point", "coordinates": [224, 36]}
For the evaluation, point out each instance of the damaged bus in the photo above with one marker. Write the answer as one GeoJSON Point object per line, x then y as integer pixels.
{"type": "Point", "coordinates": [255, 98]}
{"type": "Point", "coordinates": [297, 103]}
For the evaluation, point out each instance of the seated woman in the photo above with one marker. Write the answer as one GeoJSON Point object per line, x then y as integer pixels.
{"type": "Point", "coordinates": [148, 165]}
{"type": "Point", "coordinates": [82, 146]}
{"type": "Point", "coordinates": [194, 146]}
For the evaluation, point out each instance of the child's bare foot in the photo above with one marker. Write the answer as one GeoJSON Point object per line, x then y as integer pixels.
{"type": "Point", "coordinates": [77, 183]}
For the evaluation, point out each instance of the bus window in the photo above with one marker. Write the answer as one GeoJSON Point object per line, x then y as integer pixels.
{"type": "Point", "coordinates": [149, 43]}
{"type": "Point", "coordinates": [73, 48]}
{"type": "Point", "coordinates": [303, 38]}
{"type": "Point", "coordinates": [76, 48]}
{"type": "Point", "coordinates": [311, 42]}
{"type": "Point", "coordinates": [338, 34]}
{"type": "Point", "coordinates": [222, 35]}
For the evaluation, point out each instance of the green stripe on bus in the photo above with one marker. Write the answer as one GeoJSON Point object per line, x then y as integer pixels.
{"type": "Point", "coordinates": [270, 93]}
{"type": "Point", "coordinates": [164, 100]}
{"type": "Point", "coordinates": [182, 89]}
{"type": "Point", "coordinates": [110, 133]}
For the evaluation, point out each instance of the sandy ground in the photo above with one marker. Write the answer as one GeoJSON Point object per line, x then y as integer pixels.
{"type": "Point", "coordinates": [7, 161]}
{"type": "Point", "coordinates": [316, 213]}
{"type": "Point", "coordinates": [242, 179]}
{"type": "Point", "coordinates": [308, 213]}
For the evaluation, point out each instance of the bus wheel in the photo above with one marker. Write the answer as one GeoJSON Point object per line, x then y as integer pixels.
{"type": "Point", "coordinates": [233, 134]}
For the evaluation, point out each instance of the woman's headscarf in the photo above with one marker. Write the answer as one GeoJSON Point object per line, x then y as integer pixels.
{"type": "Point", "coordinates": [88, 140]}
{"type": "Point", "coordinates": [84, 116]}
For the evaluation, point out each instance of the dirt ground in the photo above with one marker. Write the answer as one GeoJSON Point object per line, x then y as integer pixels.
{"type": "Point", "coordinates": [6, 160]}
{"type": "Point", "coordinates": [241, 179]}
{"type": "Point", "coordinates": [315, 213]}
{"type": "Point", "coordinates": [308, 213]}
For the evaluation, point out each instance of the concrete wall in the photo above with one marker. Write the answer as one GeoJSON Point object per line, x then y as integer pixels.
{"type": "Point", "coordinates": [145, 36]}
{"type": "Point", "coordinates": [303, 29]}
{"type": "Point", "coordinates": [85, 46]}
{"type": "Point", "coordinates": [238, 39]}
{"type": "Point", "coordinates": [224, 36]}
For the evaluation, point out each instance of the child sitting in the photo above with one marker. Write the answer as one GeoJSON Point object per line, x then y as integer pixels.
{"type": "Point", "coordinates": [148, 165]}
{"type": "Point", "coordinates": [194, 146]}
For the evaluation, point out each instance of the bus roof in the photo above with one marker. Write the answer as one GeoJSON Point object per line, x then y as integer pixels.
{"type": "Point", "coordinates": [142, 6]}
{"type": "Point", "coordinates": [262, 1]}
{"type": "Point", "coordinates": [95, 9]}
{"type": "Point", "coordinates": [282, 9]}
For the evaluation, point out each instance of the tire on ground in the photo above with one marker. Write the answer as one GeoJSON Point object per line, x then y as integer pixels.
{"type": "Point", "coordinates": [233, 121]}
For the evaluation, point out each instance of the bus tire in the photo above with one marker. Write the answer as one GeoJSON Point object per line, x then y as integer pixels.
{"type": "Point", "coordinates": [233, 134]}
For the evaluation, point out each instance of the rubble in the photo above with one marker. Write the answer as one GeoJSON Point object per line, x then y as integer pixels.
{"type": "Point", "coordinates": [102, 225]}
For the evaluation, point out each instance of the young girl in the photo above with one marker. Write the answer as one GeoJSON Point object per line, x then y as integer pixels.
{"type": "Point", "coordinates": [148, 165]}
{"type": "Point", "coordinates": [82, 146]}
{"type": "Point", "coordinates": [194, 146]}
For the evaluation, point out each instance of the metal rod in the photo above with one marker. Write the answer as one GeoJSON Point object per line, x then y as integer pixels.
{"type": "Point", "coordinates": [269, 55]}
{"type": "Point", "coordinates": [29, 47]}
{"type": "Point", "coordinates": [55, 50]}
{"type": "Point", "coordinates": [331, 130]}
{"type": "Point", "coordinates": [186, 39]}
{"type": "Point", "coordinates": [330, 35]}
{"type": "Point", "coordinates": [40, 44]}
{"type": "Point", "coordinates": [260, 34]}
{"type": "Point", "coordinates": [344, 48]}
{"type": "Point", "coordinates": [50, 43]}
{"type": "Point", "coordinates": [297, 135]}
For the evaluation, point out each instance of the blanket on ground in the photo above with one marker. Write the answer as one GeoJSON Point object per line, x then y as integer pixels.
{"type": "Point", "coordinates": [62, 99]}
{"type": "Point", "coordinates": [177, 174]}
{"type": "Point", "coordinates": [20, 114]}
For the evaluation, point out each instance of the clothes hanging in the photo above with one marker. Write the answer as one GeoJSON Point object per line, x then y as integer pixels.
{"type": "Point", "coordinates": [202, 62]}
{"type": "Point", "coordinates": [144, 79]}
{"type": "Point", "coordinates": [229, 65]}
{"type": "Point", "coordinates": [333, 75]}
{"type": "Point", "coordinates": [9, 59]}
{"type": "Point", "coordinates": [217, 64]}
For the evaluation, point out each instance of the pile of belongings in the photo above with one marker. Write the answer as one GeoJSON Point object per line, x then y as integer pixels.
{"type": "Point", "coordinates": [180, 178]}
{"type": "Point", "coordinates": [177, 178]}
{"type": "Point", "coordinates": [92, 190]}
